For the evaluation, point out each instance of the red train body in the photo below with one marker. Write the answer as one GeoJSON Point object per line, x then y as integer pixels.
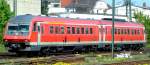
{"type": "Point", "coordinates": [37, 33]}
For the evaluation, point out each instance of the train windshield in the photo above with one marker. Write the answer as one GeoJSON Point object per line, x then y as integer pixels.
{"type": "Point", "coordinates": [18, 30]}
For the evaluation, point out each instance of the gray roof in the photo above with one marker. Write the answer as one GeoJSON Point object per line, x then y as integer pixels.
{"type": "Point", "coordinates": [23, 19]}
{"type": "Point", "coordinates": [82, 3]}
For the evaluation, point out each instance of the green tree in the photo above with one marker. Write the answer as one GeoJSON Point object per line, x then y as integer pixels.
{"type": "Point", "coordinates": [5, 14]}
{"type": "Point", "coordinates": [145, 20]}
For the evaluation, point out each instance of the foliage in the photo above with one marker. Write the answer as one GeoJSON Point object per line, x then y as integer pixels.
{"type": "Point", "coordinates": [61, 63]}
{"type": "Point", "coordinates": [2, 48]}
{"type": "Point", "coordinates": [145, 20]}
{"type": "Point", "coordinates": [5, 14]}
{"type": "Point", "coordinates": [102, 60]}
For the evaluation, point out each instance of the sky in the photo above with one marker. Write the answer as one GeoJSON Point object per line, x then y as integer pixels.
{"type": "Point", "coordinates": [135, 2]}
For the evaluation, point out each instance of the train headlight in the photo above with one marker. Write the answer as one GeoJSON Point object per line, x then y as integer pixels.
{"type": "Point", "coordinates": [6, 40]}
{"type": "Point", "coordinates": [26, 40]}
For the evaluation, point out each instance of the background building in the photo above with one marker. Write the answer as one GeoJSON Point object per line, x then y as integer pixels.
{"type": "Point", "coordinates": [78, 6]}
{"type": "Point", "coordinates": [122, 10]}
{"type": "Point", "coordinates": [25, 6]}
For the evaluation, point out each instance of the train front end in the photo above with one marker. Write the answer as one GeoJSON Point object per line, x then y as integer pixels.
{"type": "Point", "coordinates": [17, 33]}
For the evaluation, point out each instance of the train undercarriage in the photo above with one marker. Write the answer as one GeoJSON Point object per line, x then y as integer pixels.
{"type": "Point", "coordinates": [48, 50]}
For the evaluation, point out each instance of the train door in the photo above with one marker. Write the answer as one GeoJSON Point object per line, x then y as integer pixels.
{"type": "Point", "coordinates": [101, 33]}
{"type": "Point", "coordinates": [100, 36]}
{"type": "Point", "coordinates": [39, 34]}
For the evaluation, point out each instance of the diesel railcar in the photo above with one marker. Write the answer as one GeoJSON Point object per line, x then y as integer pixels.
{"type": "Point", "coordinates": [27, 33]}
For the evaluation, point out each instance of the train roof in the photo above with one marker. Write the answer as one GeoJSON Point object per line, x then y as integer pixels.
{"type": "Point", "coordinates": [86, 21]}
{"type": "Point", "coordinates": [26, 19]}
{"type": "Point", "coordinates": [127, 24]}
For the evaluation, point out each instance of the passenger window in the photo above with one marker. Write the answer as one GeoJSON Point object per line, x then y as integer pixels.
{"type": "Point", "coordinates": [128, 32]}
{"type": "Point", "coordinates": [118, 31]}
{"type": "Point", "coordinates": [82, 30]}
{"type": "Point", "coordinates": [115, 31]}
{"type": "Point", "coordinates": [38, 28]}
{"type": "Point", "coordinates": [73, 30]}
{"type": "Point", "coordinates": [122, 31]}
{"type": "Point", "coordinates": [68, 30]}
{"type": "Point", "coordinates": [51, 29]}
{"type": "Point", "coordinates": [135, 32]}
{"type": "Point", "coordinates": [91, 30]}
{"type": "Point", "coordinates": [57, 30]}
{"type": "Point", "coordinates": [86, 30]}
{"type": "Point", "coordinates": [132, 32]}
{"type": "Point", "coordinates": [34, 27]}
{"type": "Point", "coordinates": [138, 31]}
{"type": "Point", "coordinates": [125, 31]}
{"type": "Point", "coordinates": [62, 30]}
{"type": "Point", "coordinates": [78, 30]}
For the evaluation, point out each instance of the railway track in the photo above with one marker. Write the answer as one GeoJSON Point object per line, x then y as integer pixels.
{"type": "Point", "coordinates": [8, 55]}
{"type": "Point", "coordinates": [67, 57]}
{"type": "Point", "coordinates": [13, 55]}
{"type": "Point", "coordinates": [49, 60]}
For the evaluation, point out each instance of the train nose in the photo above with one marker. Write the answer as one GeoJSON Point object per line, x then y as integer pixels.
{"type": "Point", "coordinates": [15, 39]}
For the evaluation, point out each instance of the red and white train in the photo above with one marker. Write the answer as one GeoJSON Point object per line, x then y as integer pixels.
{"type": "Point", "coordinates": [52, 34]}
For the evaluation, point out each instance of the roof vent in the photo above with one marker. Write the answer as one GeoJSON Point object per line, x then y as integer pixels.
{"type": "Point", "coordinates": [116, 20]}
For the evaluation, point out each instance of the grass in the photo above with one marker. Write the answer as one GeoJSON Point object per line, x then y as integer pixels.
{"type": "Point", "coordinates": [2, 48]}
{"type": "Point", "coordinates": [147, 45]}
{"type": "Point", "coordinates": [98, 60]}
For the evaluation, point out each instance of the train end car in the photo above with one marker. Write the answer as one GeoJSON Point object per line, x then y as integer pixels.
{"type": "Point", "coordinates": [27, 33]}
{"type": "Point", "coordinates": [17, 33]}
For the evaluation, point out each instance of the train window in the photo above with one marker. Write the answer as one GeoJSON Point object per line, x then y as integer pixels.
{"type": "Point", "coordinates": [34, 27]}
{"type": "Point", "coordinates": [38, 28]}
{"type": "Point", "coordinates": [62, 30]}
{"type": "Point", "coordinates": [118, 31]}
{"type": "Point", "coordinates": [68, 30]}
{"type": "Point", "coordinates": [73, 30]}
{"type": "Point", "coordinates": [115, 31]}
{"type": "Point", "coordinates": [125, 31]}
{"type": "Point", "coordinates": [132, 32]}
{"type": "Point", "coordinates": [91, 30]}
{"type": "Point", "coordinates": [121, 31]}
{"type": "Point", "coordinates": [51, 29]}
{"type": "Point", "coordinates": [87, 31]}
{"type": "Point", "coordinates": [78, 30]}
{"type": "Point", "coordinates": [57, 30]}
{"type": "Point", "coordinates": [82, 30]}
{"type": "Point", "coordinates": [128, 31]}
{"type": "Point", "coordinates": [135, 32]}
{"type": "Point", "coordinates": [138, 31]}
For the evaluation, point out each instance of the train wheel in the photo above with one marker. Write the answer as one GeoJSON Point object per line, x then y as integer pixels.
{"type": "Point", "coordinates": [141, 49]}
{"type": "Point", "coordinates": [45, 51]}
